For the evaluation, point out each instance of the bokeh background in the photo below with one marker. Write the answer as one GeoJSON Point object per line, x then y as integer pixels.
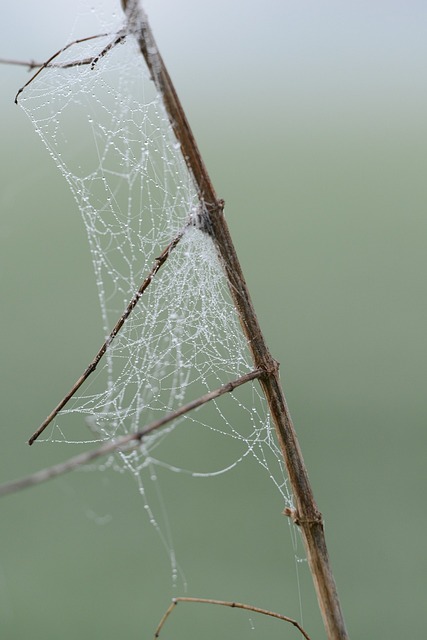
{"type": "Point", "coordinates": [311, 118]}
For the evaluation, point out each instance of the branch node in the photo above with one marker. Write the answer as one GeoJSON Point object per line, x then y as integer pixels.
{"type": "Point", "coordinates": [300, 521]}
{"type": "Point", "coordinates": [270, 368]}
{"type": "Point", "coordinates": [202, 215]}
{"type": "Point", "coordinates": [292, 514]}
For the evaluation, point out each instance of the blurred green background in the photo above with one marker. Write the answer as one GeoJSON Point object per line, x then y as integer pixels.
{"type": "Point", "coordinates": [311, 118]}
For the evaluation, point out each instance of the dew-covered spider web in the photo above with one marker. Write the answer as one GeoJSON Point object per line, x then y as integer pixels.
{"type": "Point", "coordinates": [107, 131]}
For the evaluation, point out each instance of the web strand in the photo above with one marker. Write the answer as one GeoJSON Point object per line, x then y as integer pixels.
{"type": "Point", "coordinates": [182, 337]}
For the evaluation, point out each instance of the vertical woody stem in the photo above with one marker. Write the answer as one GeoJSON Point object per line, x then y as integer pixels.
{"type": "Point", "coordinates": [306, 514]}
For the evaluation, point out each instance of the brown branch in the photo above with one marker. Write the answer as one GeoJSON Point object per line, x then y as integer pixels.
{"type": "Point", "coordinates": [125, 442]}
{"type": "Point", "coordinates": [55, 55]}
{"type": "Point", "coordinates": [22, 63]}
{"type": "Point", "coordinates": [93, 60]}
{"type": "Point", "coordinates": [117, 327]}
{"type": "Point", "coordinates": [233, 605]}
{"type": "Point", "coordinates": [32, 64]}
{"type": "Point", "coordinates": [311, 522]}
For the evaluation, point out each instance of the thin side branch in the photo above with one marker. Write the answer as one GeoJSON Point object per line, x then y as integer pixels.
{"type": "Point", "coordinates": [55, 55]}
{"type": "Point", "coordinates": [233, 605]}
{"type": "Point", "coordinates": [32, 64]}
{"type": "Point", "coordinates": [117, 327]}
{"type": "Point", "coordinates": [125, 443]}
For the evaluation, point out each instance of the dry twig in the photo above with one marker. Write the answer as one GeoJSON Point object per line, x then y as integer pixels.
{"type": "Point", "coordinates": [233, 605]}
{"type": "Point", "coordinates": [127, 442]}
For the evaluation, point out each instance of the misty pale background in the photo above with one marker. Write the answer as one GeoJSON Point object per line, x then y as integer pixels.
{"type": "Point", "coordinates": [311, 119]}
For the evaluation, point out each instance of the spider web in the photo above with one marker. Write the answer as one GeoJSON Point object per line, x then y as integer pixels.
{"type": "Point", "coordinates": [109, 135]}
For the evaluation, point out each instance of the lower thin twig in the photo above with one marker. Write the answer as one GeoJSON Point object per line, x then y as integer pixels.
{"type": "Point", "coordinates": [125, 443]}
{"type": "Point", "coordinates": [233, 605]}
